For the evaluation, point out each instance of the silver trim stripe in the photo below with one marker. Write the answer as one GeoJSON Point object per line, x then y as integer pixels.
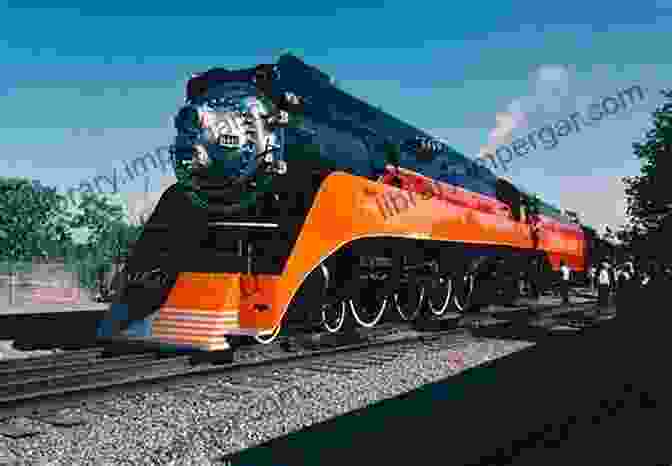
{"type": "Point", "coordinates": [243, 224]}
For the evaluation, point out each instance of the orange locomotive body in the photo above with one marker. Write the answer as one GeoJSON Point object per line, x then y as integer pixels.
{"type": "Point", "coordinates": [334, 219]}
{"type": "Point", "coordinates": [347, 209]}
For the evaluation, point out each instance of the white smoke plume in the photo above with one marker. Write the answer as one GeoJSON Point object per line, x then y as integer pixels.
{"type": "Point", "coordinates": [507, 121]}
{"type": "Point", "coordinates": [550, 87]}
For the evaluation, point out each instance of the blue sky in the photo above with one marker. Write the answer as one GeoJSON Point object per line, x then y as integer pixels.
{"type": "Point", "coordinates": [85, 86]}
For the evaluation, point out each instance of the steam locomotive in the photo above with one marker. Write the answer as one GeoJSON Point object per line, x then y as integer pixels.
{"type": "Point", "coordinates": [299, 203]}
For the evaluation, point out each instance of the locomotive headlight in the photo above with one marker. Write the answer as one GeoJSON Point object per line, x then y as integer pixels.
{"type": "Point", "coordinates": [200, 158]}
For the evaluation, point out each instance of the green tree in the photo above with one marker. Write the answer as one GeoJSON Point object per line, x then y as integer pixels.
{"type": "Point", "coordinates": [108, 238]}
{"type": "Point", "coordinates": [649, 195]}
{"type": "Point", "coordinates": [99, 216]}
{"type": "Point", "coordinates": [35, 222]}
{"type": "Point", "coordinates": [32, 220]}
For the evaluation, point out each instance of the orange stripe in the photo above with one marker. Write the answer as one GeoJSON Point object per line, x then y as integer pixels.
{"type": "Point", "coordinates": [202, 317]}
{"type": "Point", "coordinates": [195, 323]}
{"type": "Point", "coordinates": [192, 339]}
{"type": "Point", "coordinates": [186, 324]}
{"type": "Point", "coordinates": [216, 332]}
{"type": "Point", "coordinates": [198, 313]}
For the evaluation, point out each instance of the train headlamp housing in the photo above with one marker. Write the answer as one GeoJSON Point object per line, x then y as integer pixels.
{"type": "Point", "coordinates": [200, 159]}
{"type": "Point", "coordinates": [233, 131]}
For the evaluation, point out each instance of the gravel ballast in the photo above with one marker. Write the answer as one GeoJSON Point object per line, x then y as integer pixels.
{"type": "Point", "coordinates": [177, 427]}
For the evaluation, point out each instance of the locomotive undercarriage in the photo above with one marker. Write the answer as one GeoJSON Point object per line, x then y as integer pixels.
{"type": "Point", "coordinates": [359, 284]}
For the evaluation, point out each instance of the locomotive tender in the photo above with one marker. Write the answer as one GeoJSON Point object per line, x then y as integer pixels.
{"type": "Point", "coordinates": [297, 202]}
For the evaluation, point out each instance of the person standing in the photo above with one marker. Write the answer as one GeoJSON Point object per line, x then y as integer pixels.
{"type": "Point", "coordinates": [653, 274]}
{"type": "Point", "coordinates": [592, 279]}
{"type": "Point", "coordinates": [618, 277]}
{"type": "Point", "coordinates": [604, 283]}
{"type": "Point", "coordinates": [564, 282]}
{"type": "Point", "coordinates": [646, 278]}
{"type": "Point", "coordinates": [613, 277]}
{"type": "Point", "coordinates": [627, 276]}
{"type": "Point", "coordinates": [631, 269]}
{"type": "Point", "coordinates": [628, 296]}
{"type": "Point", "coordinates": [623, 288]}
{"type": "Point", "coordinates": [101, 286]}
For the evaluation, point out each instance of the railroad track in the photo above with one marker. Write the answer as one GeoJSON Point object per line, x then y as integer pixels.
{"type": "Point", "coordinates": [298, 342]}
{"type": "Point", "coordinates": [42, 387]}
{"type": "Point", "coordinates": [81, 375]}
{"type": "Point", "coordinates": [250, 383]}
{"type": "Point", "coordinates": [79, 370]}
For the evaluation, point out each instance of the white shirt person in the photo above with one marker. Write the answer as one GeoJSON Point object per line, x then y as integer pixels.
{"type": "Point", "coordinates": [604, 278]}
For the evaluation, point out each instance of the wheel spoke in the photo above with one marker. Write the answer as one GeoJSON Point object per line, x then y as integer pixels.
{"type": "Point", "coordinates": [333, 316]}
{"type": "Point", "coordinates": [409, 301]}
{"type": "Point", "coordinates": [369, 306]}
{"type": "Point", "coordinates": [439, 296]}
{"type": "Point", "coordinates": [464, 291]}
{"type": "Point", "coordinates": [368, 314]}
